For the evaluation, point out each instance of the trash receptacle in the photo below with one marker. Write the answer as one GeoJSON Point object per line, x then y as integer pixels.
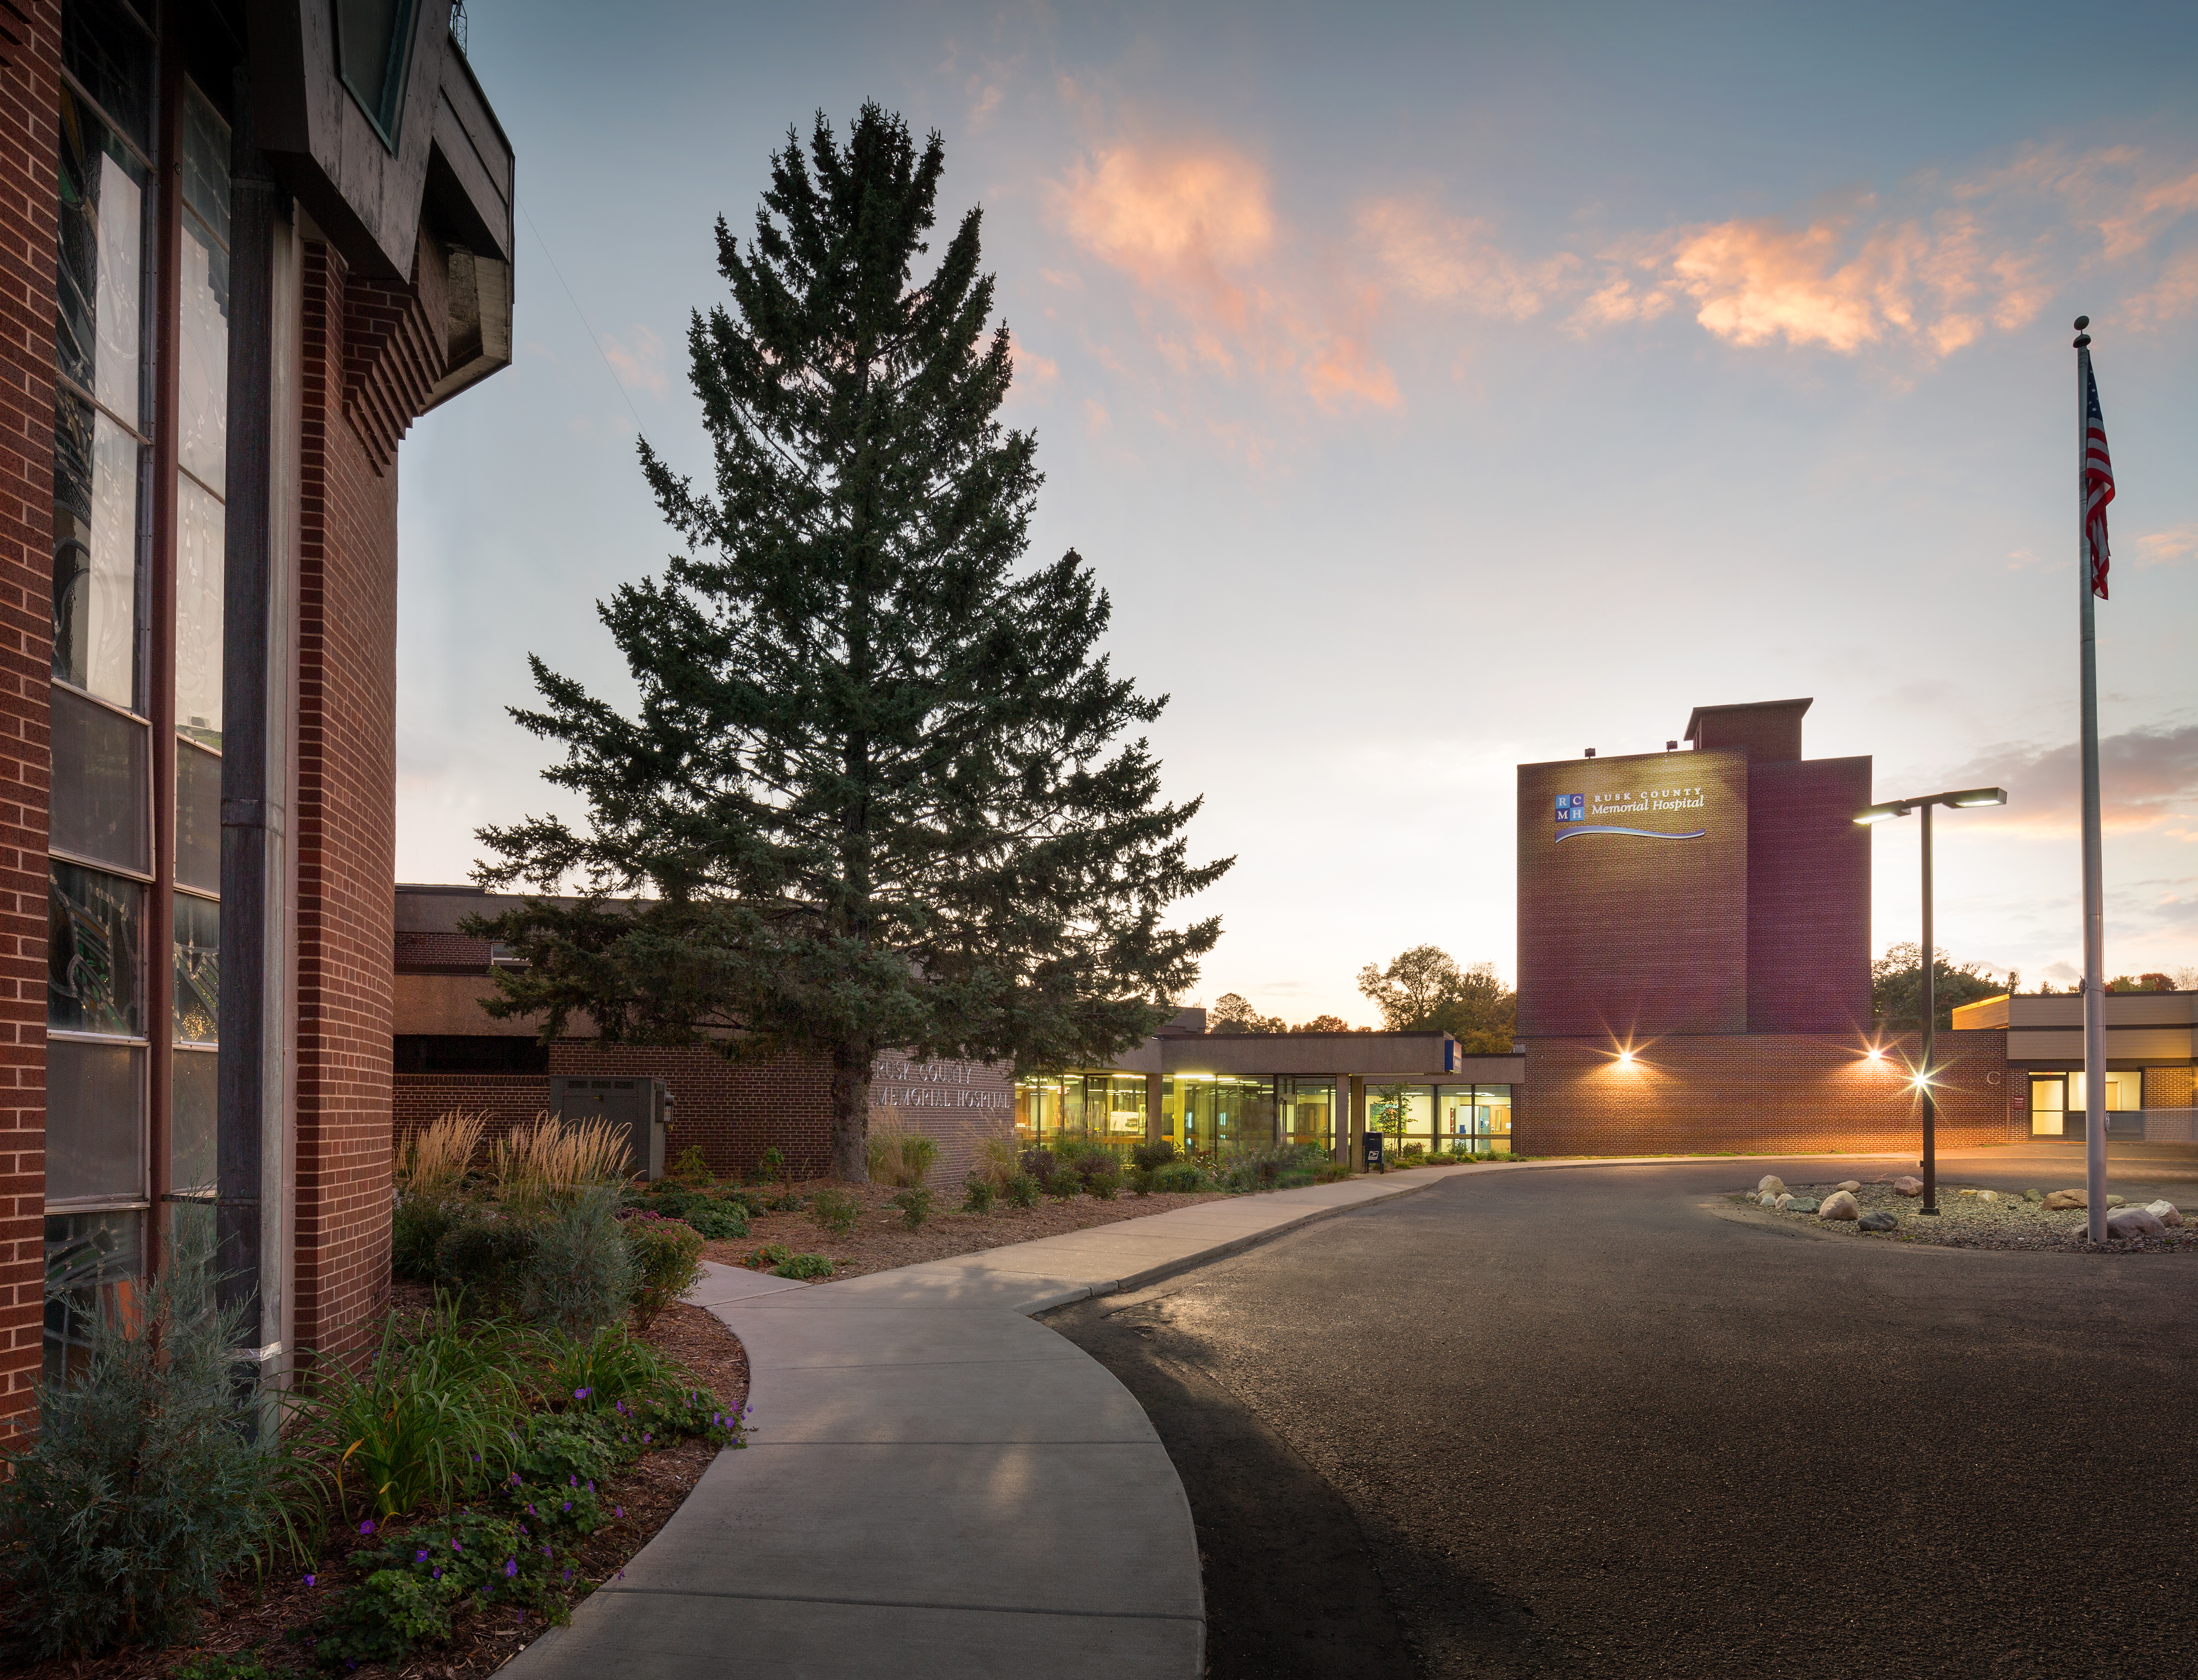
{"type": "Point", "coordinates": [1374, 1142]}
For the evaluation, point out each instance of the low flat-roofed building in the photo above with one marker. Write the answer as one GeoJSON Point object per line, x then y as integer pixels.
{"type": "Point", "coordinates": [2152, 1050]}
{"type": "Point", "coordinates": [1219, 1093]}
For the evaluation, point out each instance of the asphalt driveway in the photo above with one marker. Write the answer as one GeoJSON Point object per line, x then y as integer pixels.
{"type": "Point", "coordinates": [1572, 1421]}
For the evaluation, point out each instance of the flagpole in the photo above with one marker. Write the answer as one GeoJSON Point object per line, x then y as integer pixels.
{"type": "Point", "coordinates": [2095, 928]}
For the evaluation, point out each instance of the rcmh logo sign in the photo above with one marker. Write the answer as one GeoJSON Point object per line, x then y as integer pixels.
{"type": "Point", "coordinates": [1572, 807]}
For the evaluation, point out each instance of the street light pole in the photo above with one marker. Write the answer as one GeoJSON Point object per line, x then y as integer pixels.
{"type": "Point", "coordinates": [1930, 1032]}
{"type": "Point", "coordinates": [1928, 1072]}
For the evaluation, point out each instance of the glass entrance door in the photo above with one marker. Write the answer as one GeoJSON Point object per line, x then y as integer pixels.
{"type": "Point", "coordinates": [2048, 1107]}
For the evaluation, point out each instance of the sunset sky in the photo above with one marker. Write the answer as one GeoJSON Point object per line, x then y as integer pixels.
{"type": "Point", "coordinates": [1434, 389]}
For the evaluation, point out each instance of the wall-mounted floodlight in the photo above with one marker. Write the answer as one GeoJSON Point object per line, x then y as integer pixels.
{"type": "Point", "coordinates": [1964, 798]}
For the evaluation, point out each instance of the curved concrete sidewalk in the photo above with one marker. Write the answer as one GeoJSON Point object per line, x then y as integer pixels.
{"type": "Point", "coordinates": [936, 1486]}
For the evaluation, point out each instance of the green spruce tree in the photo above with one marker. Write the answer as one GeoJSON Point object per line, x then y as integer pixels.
{"type": "Point", "coordinates": [876, 794]}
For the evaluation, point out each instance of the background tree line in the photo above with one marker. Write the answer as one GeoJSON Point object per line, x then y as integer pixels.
{"type": "Point", "coordinates": [1425, 989]}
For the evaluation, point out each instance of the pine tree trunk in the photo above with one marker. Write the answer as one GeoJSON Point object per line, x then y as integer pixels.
{"type": "Point", "coordinates": [851, 1112]}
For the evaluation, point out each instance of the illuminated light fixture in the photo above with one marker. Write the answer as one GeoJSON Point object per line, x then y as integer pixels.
{"type": "Point", "coordinates": [1877, 1052]}
{"type": "Point", "coordinates": [1626, 1058]}
{"type": "Point", "coordinates": [1959, 799]}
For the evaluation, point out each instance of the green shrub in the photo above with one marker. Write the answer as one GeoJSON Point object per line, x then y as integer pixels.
{"type": "Point", "coordinates": [417, 1226]}
{"type": "Point", "coordinates": [915, 1205]}
{"type": "Point", "coordinates": [667, 1260]}
{"type": "Point", "coordinates": [1102, 1180]}
{"type": "Point", "coordinates": [770, 1164]}
{"type": "Point", "coordinates": [1023, 1189]}
{"type": "Point", "coordinates": [140, 1492]}
{"type": "Point", "coordinates": [611, 1368]}
{"type": "Point", "coordinates": [430, 1415]}
{"type": "Point", "coordinates": [484, 1254]}
{"type": "Point", "coordinates": [1139, 1179]}
{"type": "Point", "coordinates": [1157, 1152]}
{"type": "Point", "coordinates": [748, 1204]}
{"type": "Point", "coordinates": [1064, 1186]}
{"type": "Point", "coordinates": [691, 1168]}
{"type": "Point", "coordinates": [789, 1203]}
{"type": "Point", "coordinates": [1331, 1172]}
{"type": "Point", "coordinates": [978, 1193]}
{"type": "Point", "coordinates": [582, 1274]}
{"type": "Point", "coordinates": [230, 1666]}
{"type": "Point", "coordinates": [769, 1255]}
{"type": "Point", "coordinates": [803, 1265]}
{"type": "Point", "coordinates": [1040, 1163]}
{"type": "Point", "coordinates": [717, 1221]}
{"type": "Point", "coordinates": [834, 1212]}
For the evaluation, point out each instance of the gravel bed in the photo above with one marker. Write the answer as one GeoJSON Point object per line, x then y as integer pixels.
{"type": "Point", "coordinates": [1967, 1220]}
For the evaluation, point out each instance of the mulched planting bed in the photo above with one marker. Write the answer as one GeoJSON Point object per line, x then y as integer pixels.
{"type": "Point", "coordinates": [259, 1617]}
{"type": "Point", "coordinates": [881, 1240]}
{"type": "Point", "coordinates": [1967, 1220]}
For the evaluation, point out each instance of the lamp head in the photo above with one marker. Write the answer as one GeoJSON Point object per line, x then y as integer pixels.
{"type": "Point", "coordinates": [1879, 813]}
{"type": "Point", "coordinates": [1977, 796]}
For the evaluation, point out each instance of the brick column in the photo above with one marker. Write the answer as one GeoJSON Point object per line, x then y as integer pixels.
{"type": "Point", "coordinates": [30, 148]}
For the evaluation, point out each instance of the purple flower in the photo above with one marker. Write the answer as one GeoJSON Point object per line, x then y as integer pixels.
{"type": "Point", "coordinates": [569, 1574]}
{"type": "Point", "coordinates": [510, 1568]}
{"type": "Point", "coordinates": [621, 1404]}
{"type": "Point", "coordinates": [531, 1511]}
{"type": "Point", "coordinates": [591, 1487]}
{"type": "Point", "coordinates": [545, 1551]}
{"type": "Point", "coordinates": [367, 1527]}
{"type": "Point", "coordinates": [621, 1509]}
{"type": "Point", "coordinates": [582, 1393]}
{"type": "Point", "coordinates": [644, 1437]}
{"type": "Point", "coordinates": [437, 1576]}
{"type": "Point", "coordinates": [568, 1504]}
{"type": "Point", "coordinates": [515, 1479]}
{"type": "Point", "coordinates": [420, 1556]}
{"type": "Point", "coordinates": [312, 1580]}
{"type": "Point", "coordinates": [573, 1481]}
{"type": "Point", "coordinates": [455, 1547]}
{"type": "Point", "coordinates": [522, 1528]}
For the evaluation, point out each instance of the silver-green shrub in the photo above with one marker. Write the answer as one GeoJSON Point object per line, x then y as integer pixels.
{"type": "Point", "coordinates": [581, 1275]}
{"type": "Point", "coordinates": [144, 1486]}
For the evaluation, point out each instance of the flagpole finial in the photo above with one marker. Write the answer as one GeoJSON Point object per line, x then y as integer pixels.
{"type": "Point", "coordinates": [2082, 322]}
{"type": "Point", "coordinates": [2083, 338]}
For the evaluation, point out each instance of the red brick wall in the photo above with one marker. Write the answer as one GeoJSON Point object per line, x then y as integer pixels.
{"type": "Point", "coordinates": [30, 144]}
{"type": "Point", "coordinates": [504, 1099]}
{"type": "Point", "coordinates": [735, 1111]}
{"type": "Point", "coordinates": [1754, 1093]}
{"type": "Point", "coordinates": [1621, 934]}
{"type": "Point", "coordinates": [1808, 896]}
{"type": "Point", "coordinates": [345, 827]}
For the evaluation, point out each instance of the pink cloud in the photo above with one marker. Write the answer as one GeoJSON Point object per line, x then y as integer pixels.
{"type": "Point", "coordinates": [2146, 778]}
{"type": "Point", "coordinates": [1232, 289]}
{"type": "Point", "coordinates": [1439, 258]}
{"type": "Point", "coordinates": [1033, 372]}
{"type": "Point", "coordinates": [640, 365]}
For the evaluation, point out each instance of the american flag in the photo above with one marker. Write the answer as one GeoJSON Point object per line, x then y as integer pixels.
{"type": "Point", "coordinates": [2098, 482]}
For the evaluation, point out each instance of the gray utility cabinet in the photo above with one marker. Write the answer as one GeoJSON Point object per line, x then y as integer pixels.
{"type": "Point", "coordinates": [642, 1108]}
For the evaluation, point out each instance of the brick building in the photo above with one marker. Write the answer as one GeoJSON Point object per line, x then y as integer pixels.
{"type": "Point", "coordinates": [1693, 956]}
{"type": "Point", "coordinates": [246, 243]}
{"type": "Point", "coordinates": [450, 1056]}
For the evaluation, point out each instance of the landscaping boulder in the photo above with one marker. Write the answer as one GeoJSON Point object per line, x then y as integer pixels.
{"type": "Point", "coordinates": [2114, 1201]}
{"type": "Point", "coordinates": [1770, 1182]}
{"type": "Point", "coordinates": [1907, 1185]}
{"type": "Point", "coordinates": [1987, 1195]}
{"type": "Point", "coordinates": [1766, 1200]}
{"type": "Point", "coordinates": [1808, 1204]}
{"type": "Point", "coordinates": [1783, 1200]}
{"type": "Point", "coordinates": [2128, 1221]}
{"type": "Point", "coordinates": [1878, 1221]}
{"type": "Point", "coordinates": [1839, 1205]}
{"type": "Point", "coordinates": [2062, 1200]}
{"type": "Point", "coordinates": [1848, 1184]}
{"type": "Point", "coordinates": [2034, 1195]}
{"type": "Point", "coordinates": [2165, 1211]}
